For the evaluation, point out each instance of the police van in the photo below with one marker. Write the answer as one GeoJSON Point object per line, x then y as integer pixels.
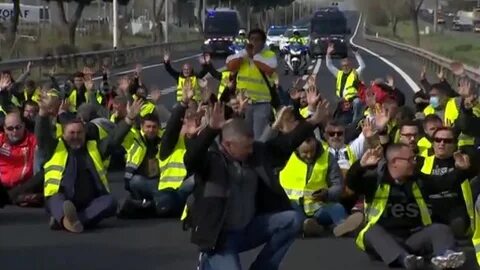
{"type": "Point", "coordinates": [329, 25]}
{"type": "Point", "coordinates": [221, 28]}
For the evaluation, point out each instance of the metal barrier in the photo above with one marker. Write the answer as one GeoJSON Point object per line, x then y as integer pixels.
{"type": "Point", "coordinates": [433, 61]}
{"type": "Point", "coordinates": [67, 64]}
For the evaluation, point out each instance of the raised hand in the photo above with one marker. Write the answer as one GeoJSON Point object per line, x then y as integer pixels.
{"type": "Point", "coordinates": [134, 108]}
{"type": "Point", "coordinates": [64, 106]}
{"type": "Point", "coordinates": [462, 161]}
{"type": "Point", "coordinates": [465, 88]}
{"type": "Point", "coordinates": [312, 97]}
{"type": "Point", "coordinates": [441, 75]}
{"type": "Point", "coordinates": [138, 69]}
{"type": "Point", "coordinates": [321, 113]}
{"type": "Point", "coordinates": [155, 95]}
{"type": "Point", "coordinates": [282, 117]}
{"type": "Point", "coordinates": [390, 81]}
{"type": "Point", "coordinates": [330, 49]}
{"type": "Point", "coordinates": [29, 66]}
{"type": "Point", "coordinates": [381, 118]}
{"type": "Point", "coordinates": [368, 128]}
{"type": "Point", "coordinates": [371, 157]}
{"type": "Point", "coordinates": [166, 57]}
{"type": "Point", "coordinates": [217, 116]}
{"type": "Point", "coordinates": [423, 74]}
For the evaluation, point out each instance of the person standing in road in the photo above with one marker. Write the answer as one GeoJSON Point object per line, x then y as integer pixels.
{"type": "Point", "coordinates": [254, 67]}
{"type": "Point", "coordinates": [239, 203]}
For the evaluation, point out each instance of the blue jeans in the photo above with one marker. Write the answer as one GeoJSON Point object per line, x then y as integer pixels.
{"type": "Point", "coordinates": [277, 231]}
{"type": "Point", "coordinates": [331, 213]}
{"type": "Point", "coordinates": [258, 116]}
{"type": "Point", "coordinates": [168, 202]}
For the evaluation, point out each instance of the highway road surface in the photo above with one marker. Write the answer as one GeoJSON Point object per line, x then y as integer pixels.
{"type": "Point", "coordinates": [27, 243]}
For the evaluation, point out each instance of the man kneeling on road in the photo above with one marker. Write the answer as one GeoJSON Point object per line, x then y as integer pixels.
{"type": "Point", "coordinates": [399, 228]}
{"type": "Point", "coordinates": [239, 203]}
{"type": "Point", "coordinates": [76, 186]}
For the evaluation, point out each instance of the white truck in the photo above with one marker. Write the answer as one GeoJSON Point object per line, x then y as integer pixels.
{"type": "Point", "coordinates": [463, 21]}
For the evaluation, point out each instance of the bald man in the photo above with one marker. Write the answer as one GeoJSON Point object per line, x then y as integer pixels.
{"type": "Point", "coordinates": [239, 203]}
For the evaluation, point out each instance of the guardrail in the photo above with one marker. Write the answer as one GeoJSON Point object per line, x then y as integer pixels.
{"type": "Point", "coordinates": [67, 64]}
{"type": "Point", "coordinates": [433, 61]}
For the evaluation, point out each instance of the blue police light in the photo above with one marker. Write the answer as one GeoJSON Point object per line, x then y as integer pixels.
{"type": "Point", "coordinates": [211, 13]}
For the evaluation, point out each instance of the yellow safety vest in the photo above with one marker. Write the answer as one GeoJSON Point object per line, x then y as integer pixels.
{"type": "Point", "coordinates": [72, 99]}
{"type": "Point", "coordinates": [349, 91]}
{"type": "Point", "coordinates": [292, 179]}
{"type": "Point", "coordinates": [58, 130]}
{"type": "Point", "coordinates": [250, 79]}
{"type": "Point", "coordinates": [223, 83]}
{"type": "Point", "coordinates": [196, 88]}
{"type": "Point", "coordinates": [173, 169]}
{"type": "Point", "coordinates": [451, 114]}
{"type": "Point", "coordinates": [466, 190]}
{"type": "Point", "coordinates": [55, 167]}
{"type": "Point", "coordinates": [15, 101]}
{"type": "Point", "coordinates": [424, 146]}
{"type": "Point", "coordinates": [375, 210]}
{"type": "Point", "coordinates": [147, 108]}
{"type": "Point", "coordinates": [35, 96]}
{"type": "Point", "coordinates": [304, 112]}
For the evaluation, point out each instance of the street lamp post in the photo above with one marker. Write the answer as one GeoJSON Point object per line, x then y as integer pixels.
{"type": "Point", "coordinates": [115, 23]}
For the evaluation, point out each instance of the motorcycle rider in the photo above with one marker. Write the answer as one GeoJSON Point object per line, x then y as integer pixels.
{"type": "Point", "coordinates": [241, 39]}
{"type": "Point", "coordinates": [296, 38]}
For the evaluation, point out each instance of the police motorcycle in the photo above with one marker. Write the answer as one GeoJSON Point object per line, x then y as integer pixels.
{"type": "Point", "coordinates": [296, 58]}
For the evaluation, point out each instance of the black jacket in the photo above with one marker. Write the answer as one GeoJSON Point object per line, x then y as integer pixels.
{"type": "Point", "coordinates": [211, 193]}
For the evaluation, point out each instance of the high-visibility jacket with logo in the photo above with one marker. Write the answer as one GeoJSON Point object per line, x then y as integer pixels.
{"type": "Point", "coordinates": [349, 92]}
{"type": "Point", "coordinates": [374, 210]}
{"type": "Point", "coordinates": [55, 167]}
{"type": "Point", "coordinates": [72, 99]}
{"type": "Point", "coordinates": [196, 88]}
{"type": "Point", "coordinates": [250, 78]}
{"type": "Point", "coordinates": [294, 182]}
{"type": "Point", "coordinates": [466, 190]}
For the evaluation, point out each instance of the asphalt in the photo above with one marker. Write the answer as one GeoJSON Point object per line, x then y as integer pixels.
{"type": "Point", "coordinates": [27, 243]}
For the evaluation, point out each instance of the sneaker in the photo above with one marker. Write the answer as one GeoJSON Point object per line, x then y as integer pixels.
{"type": "Point", "coordinates": [450, 260]}
{"type": "Point", "coordinates": [311, 228]}
{"type": "Point", "coordinates": [412, 262]}
{"type": "Point", "coordinates": [70, 219]}
{"type": "Point", "coordinates": [349, 225]}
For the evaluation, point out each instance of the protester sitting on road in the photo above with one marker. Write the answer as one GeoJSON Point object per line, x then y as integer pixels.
{"type": "Point", "coordinates": [448, 187]}
{"type": "Point", "coordinates": [30, 112]}
{"type": "Point", "coordinates": [187, 75]}
{"type": "Point", "coordinates": [313, 182]}
{"type": "Point", "coordinates": [10, 89]}
{"type": "Point", "coordinates": [76, 186]}
{"type": "Point", "coordinates": [30, 93]}
{"type": "Point", "coordinates": [255, 207]}
{"type": "Point", "coordinates": [399, 226]}
{"type": "Point", "coordinates": [347, 80]}
{"type": "Point", "coordinates": [17, 149]}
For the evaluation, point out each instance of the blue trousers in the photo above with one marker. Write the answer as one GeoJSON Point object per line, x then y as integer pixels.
{"type": "Point", "coordinates": [100, 208]}
{"type": "Point", "coordinates": [167, 201]}
{"type": "Point", "coordinates": [277, 231]}
{"type": "Point", "coordinates": [329, 214]}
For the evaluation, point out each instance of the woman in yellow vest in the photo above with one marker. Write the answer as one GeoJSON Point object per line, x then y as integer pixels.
{"type": "Point", "coordinates": [399, 226]}
{"type": "Point", "coordinates": [313, 182]}
{"type": "Point", "coordinates": [447, 186]}
{"type": "Point", "coordinates": [187, 74]}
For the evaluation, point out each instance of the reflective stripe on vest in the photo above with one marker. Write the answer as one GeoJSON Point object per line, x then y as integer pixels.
{"type": "Point", "coordinates": [466, 190]}
{"type": "Point", "coordinates": [72, 99]}
{"type": "Point", "coordinates": [55, 167]}
{"type": "Point", "coordinates": [250, 79]}
{"type": "Point", "coordinates": [294, 182]}
{"type": "Point", "coordinates": [223, 83]}
{"type": "Point", "coordinates": [135, 155]}
{"type": "Point", "coordinates": [349, 91]}
{"type": "Point", "coordinates": [378, 205]}
{"type": "Point", "coordinates": [173, 168]}
{"type": "Point", "coordinates": [196, 88]}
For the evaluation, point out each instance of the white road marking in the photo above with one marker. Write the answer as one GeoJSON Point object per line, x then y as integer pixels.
{"type": "Point", "coordinates": [318, 64]}
{"type": "Point", "coordinates": [402, 73]}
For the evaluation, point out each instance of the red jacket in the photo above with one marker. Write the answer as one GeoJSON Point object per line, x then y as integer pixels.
{"type": "Point", "coordinates": [16, 161]}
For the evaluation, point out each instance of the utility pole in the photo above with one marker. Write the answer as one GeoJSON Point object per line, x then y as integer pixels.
{"type": "Point", "coordinates": [166, 20]}
{"type": "Point", "coordinates": [293, 12]}
{"type": "Point", "coordinates": [435, 17]}
{"type": "Point", "coordinates": [115, 23]}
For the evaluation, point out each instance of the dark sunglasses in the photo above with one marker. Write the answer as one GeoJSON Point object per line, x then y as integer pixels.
{"type": "Point", "coordinates": [444, 140]}
{"type": "Point", "coordinates": [335, 133]}
{"type": "Point", "coordinates": [12, 128]}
